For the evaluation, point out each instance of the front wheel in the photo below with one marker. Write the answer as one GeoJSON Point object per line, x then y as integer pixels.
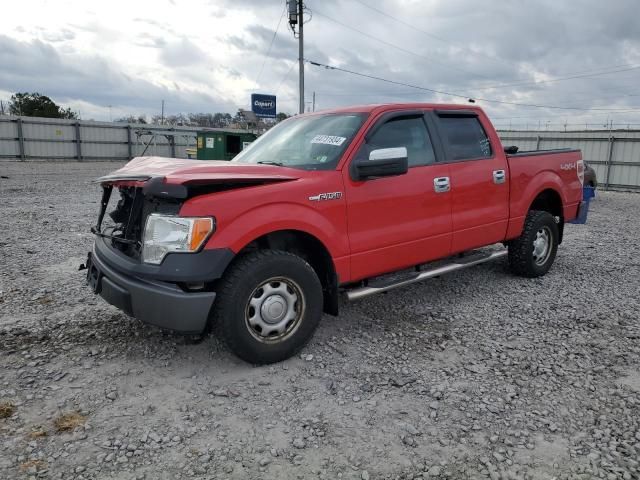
{"type": "Point", "coordinates": [268, 306]}
{"type": "Point", "coordinates": [533, 253]}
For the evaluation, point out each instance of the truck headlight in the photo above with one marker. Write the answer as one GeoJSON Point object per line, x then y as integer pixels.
{"type": "Point", "coordinates": [165, 234]}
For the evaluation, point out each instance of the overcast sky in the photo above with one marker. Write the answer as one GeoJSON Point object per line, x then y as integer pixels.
{"type": "Point", "coordinates": [208, 56]}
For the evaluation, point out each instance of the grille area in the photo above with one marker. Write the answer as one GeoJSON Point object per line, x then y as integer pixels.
{"type": "Point", "coordinates": [130, 215]}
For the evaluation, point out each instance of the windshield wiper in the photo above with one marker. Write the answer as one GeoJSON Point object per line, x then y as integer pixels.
{"type": "Point", "coordinates": [267, 162]}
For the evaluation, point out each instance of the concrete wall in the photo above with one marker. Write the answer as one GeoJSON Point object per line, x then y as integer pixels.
{"type": "Point", "coordinates": [615, 154]}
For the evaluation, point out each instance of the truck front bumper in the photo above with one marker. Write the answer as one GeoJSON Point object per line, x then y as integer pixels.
{"type": "Point", "coordinates": [121, 282]}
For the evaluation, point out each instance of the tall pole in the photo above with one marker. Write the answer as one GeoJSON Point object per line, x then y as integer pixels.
{"type": "Point", "coordinates": [314, 102]}
{"type": "Point", "coordinates": [162, 114]}
{"type": "Point", "coordinates": [301, 54]}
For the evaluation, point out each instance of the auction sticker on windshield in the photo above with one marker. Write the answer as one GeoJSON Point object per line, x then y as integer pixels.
{"type": "Point", "coordinates": [328, 140]}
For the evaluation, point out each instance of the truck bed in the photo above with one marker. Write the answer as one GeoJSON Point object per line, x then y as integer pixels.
{"type": "Point", "coordinates": [553, 169]}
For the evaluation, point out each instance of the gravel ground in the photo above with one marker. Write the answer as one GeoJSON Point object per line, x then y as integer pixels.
{"type": "Point", "coordinates": [476, 375]}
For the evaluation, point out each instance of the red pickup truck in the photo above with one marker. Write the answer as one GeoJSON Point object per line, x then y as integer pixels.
{"type": "Point", "coordinates": [324, 204]}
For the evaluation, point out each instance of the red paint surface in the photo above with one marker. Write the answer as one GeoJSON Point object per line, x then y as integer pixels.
{"type": "Point", "coordinates": [379, 225]}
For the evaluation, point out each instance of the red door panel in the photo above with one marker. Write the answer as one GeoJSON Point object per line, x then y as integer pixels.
{"type": "Point", "coordinates": [480, 207]}
{"type": "Point", "coordinates": [479, 180]}
{"type": "Point", "coordinates": [397, 222]}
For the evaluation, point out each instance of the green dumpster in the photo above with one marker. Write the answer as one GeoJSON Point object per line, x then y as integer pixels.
{"type": "Point", "coordinates": [222, 144]}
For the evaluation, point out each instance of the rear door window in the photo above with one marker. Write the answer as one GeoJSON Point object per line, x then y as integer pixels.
{"type": "Point", "coordinates": [465, 138]}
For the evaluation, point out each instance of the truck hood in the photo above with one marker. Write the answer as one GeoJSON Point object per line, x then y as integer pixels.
{"type": "Point", "coordinates": [176, 171]}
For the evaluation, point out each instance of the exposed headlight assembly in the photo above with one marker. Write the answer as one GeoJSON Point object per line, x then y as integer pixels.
{"type": "Point", "coordinates": [165, 234]}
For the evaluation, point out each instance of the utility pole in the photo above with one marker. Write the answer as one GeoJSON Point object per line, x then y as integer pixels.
{"type": "Point", "coordinates": [301, 55]}
{"type": "Point", "coordinates": [162, 114]}
{"type": "Point", "coordinates": [296, 12]}
{"type": "Point", "coordinates": [314, 102]}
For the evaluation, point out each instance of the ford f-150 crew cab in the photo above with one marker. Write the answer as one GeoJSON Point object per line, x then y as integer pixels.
{"type": "Point", "coordinates": [351, 201]}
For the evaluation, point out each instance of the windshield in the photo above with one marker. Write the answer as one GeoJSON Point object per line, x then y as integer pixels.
{"type": "Point", "coordinates": [312, 143]}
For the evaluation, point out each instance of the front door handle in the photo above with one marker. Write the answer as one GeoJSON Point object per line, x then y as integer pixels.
{"type": "Point", "coordinates": [499, 176]}
{"type": "Point", "coordinates": [441, 184]}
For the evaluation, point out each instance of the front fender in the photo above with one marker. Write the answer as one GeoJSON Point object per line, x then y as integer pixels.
{"type": "Point", "coordinates": [327, 225]}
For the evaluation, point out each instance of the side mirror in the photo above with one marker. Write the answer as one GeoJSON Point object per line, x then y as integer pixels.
{"type": "Point", "coordinates": [383, 162]}
{"type": "Point", "coordinates": [511, 150]}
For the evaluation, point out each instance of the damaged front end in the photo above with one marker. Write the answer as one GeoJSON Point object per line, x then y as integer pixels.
{"type": "Point", "coordinates": [157, 293]}
{"type": "Point", "coordinates": [150, 261]}
{"type": "Point", "coordinates": [130, 214]}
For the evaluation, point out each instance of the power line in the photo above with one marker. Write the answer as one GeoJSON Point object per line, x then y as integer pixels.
{"type": "Point", "coordinates": [560, 79]}
{"type": "Point", "coordinates": [275, 32]}
{"type": "Point", "coordinates": [381, 12]}
{"type": "Point", "coordinates": [441, 39]}
{"type": "Point", "coordinates": [397, 47]}
{"type": "Point", "coordinates": [547, 115]}
{"type": "Point", "coordinates": [284, 77]}
{"type": "Point", "coordinates": [399, 94]}
{"type": "Point", "coordinates": [457, 95]}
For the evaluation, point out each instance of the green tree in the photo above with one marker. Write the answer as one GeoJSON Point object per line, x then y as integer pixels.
{"type": "Point", "coordinates": [281, 116]}
{"type": "Point", "coordinates": [36, 105]}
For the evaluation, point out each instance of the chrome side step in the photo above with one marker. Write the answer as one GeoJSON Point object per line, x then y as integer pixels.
{"type": "Point", "coordinates": [456, 264]}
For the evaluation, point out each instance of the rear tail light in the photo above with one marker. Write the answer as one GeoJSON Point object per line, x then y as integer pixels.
{"type": "Point", "coordinates": [580, 170]}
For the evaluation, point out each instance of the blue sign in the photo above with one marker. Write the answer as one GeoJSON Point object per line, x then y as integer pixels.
{"type": "Point", "coordinates": [264, 106]}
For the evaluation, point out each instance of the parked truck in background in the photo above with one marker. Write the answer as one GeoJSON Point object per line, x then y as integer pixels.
{"type": "Point", "coordinates": [324, 204]}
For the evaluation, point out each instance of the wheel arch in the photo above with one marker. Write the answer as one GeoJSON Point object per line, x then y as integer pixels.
{"type": "Point", "coordinates": [550, 200]}
{"type": "Point", "coordinates": [311, 249]}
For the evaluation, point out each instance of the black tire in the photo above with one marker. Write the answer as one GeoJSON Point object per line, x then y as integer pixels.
{"type": "Point", "coordinates": [525, 257]}
{"type": "Point", "coordinates": [268, 278]}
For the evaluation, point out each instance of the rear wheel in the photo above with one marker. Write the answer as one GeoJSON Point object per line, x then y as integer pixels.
{"type": "Point", "coordinates": [533, 253]}
{"type": "Point", "coordinates": [268, 306]}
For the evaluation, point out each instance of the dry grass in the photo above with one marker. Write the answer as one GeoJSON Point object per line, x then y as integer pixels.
{"type": "Point", "coordinates": [38, 464]}
{"type": "Point", "coordinates": [7, 409]}
{"type": "Point", "coordinates": [39, 433]}
{"type": "Point", "coordinates": [45, 300]}
{"type": "Point", "coordinates": [69, 421]}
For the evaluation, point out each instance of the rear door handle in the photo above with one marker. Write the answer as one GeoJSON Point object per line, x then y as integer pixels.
{"type": "Point", "coordinates": [499, 176]}
{"type": "Point", "coordinates": [441, 184]}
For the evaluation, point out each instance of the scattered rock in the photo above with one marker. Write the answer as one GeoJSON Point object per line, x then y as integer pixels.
{"type": "Point", "coordinates": [434, 471]}
{"type": "Point", "coordinates": [486, 365]}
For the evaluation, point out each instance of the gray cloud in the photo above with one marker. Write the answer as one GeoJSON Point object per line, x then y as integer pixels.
{"type": "Point", "coordinates": [62, 35]}
{"type": "Point", "coordinates": [462, 47]}
{"type": "Point", "coordinates": [181, 53]}
{"type": "Point", "coordinates": [37, 66]}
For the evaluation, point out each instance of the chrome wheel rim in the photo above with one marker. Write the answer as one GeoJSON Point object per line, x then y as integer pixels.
{"type": "Point", "coordinates": [274, 310]}
{"type": "Point", "coordinates": [542, 246]}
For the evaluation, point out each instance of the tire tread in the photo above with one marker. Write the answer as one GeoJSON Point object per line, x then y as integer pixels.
{"type": "Point", "coordinates": [520, 261]}
{"type": "Point", "coordinates": [240, 270]}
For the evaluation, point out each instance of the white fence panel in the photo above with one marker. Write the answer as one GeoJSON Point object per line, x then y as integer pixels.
{"type": "Point", "coordinates": [614, 155]}
{"type": "Point", "coordinates": [42, 139]}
